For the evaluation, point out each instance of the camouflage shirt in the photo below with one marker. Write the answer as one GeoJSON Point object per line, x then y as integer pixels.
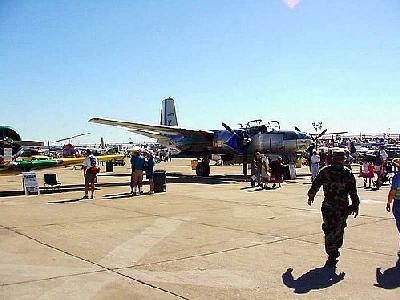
{"type": "Point", "coordinates": [338, 183]}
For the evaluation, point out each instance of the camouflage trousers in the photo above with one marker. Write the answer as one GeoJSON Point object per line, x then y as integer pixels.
{"type": "Point", "coordinates": [334, 222]}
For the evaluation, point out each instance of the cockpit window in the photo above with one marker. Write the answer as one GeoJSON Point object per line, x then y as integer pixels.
{"type": "Point", "coordinates": [302, 136]}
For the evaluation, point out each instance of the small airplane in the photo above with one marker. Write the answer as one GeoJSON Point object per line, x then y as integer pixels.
{"type": "Point", "coordinates": [229, 143]}
{"type": "Point", "coordinates": [11, 147]}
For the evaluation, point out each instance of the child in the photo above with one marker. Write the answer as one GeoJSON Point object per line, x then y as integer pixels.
{"type": "Point", "coordinates": [367, 172]}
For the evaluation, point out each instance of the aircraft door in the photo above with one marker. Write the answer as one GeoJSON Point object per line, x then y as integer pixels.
{"type": "Point", "coordinates": [276, 142]}
{"type": "Point", "coordinates": [260, 142]}
{"type": "Point", "coordinates": [256, 142]}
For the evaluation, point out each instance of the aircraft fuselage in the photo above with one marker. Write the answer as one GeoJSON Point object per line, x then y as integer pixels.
{"type": "Point", "coordinates": [224, 142]}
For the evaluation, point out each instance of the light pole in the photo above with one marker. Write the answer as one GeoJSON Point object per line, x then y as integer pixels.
{"type": "Point", "coordinates": [317, 127]}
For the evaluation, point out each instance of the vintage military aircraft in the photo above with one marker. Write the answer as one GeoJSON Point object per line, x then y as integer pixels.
{"type": "Point", "coordinates": [229, 143]}
{"type": "Point", "coordinates": [12, 163]}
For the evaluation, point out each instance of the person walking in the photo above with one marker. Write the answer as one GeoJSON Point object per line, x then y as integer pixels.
{"type": "Point", "coordinates": [137, 163]}
{"type": "Point", "coordinates": [383, 154]}
{"type": "Point", "coordinates": [315, 160]}
{"type": "Point", "coordinates": [378, 165]}
{"type": "Point", "coordinates": [265, 171]}
{"type": "Point", "coordinates": [394, 196]}
{"type": "Point", "coordinates": [323, 158]}
{"type": "Point", "coordinates": [338, 183]}
{"type": "Point", "coordinates": [90, 169]}
{"type": "Point", "coordinates": [256, 170]}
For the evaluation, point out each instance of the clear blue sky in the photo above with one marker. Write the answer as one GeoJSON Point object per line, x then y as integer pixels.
{"type": "Point", "coordinates": [63, 62]}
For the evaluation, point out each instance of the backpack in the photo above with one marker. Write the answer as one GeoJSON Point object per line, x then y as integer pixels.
{"type": "Point", "coordinates": [94, 169]}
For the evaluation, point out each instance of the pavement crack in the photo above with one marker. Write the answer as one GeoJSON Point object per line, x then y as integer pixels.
{"type": "Point", "coordinates": [151, 285]}
{"type": "Point", "coordinates": [52, 278]}
{"type": "Point", "coordinates": [103, 268]}
{"type": "Point", "coordinates": [210, 253]}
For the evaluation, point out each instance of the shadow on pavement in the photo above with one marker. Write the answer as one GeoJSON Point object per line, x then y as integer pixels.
{"type": "Point", "coordinates": [118, 196]}
{"type": "Point", "coordinates": [213, 179]}
{"type": "Point", "coordinates": [318, 278]}
{"type": "Point", "coordinates": [64, 189]}
{"type": "Point", "coordinates": [390, 278]}
{"type": "Point", "coordinates": [171, 178]}
{"type": "Point", "coordinates": [246, 188]}
{"type": "Point", "coordinates": [114, 175]}
{"type": "Point", "coordinates": [66, 201]}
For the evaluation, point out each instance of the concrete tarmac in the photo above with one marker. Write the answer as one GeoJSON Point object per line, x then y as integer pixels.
{"type": "Point", "coordinates": [205, 238]}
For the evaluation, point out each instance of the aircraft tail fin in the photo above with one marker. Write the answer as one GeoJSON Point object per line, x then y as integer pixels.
{"type": "Point", "coordinates": [168, 113]}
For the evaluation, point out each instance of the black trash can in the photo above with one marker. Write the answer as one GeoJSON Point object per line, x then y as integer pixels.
{"type": "Point", "coordinates": [109, 166]}
{"type": "Point", "coordinates": [203, 169]}
{"type": "Point", "coordinates": [160, 182]}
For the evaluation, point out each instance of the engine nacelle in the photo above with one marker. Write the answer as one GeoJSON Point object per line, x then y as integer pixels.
{"type": "Point", "coordinates": [7, 138]}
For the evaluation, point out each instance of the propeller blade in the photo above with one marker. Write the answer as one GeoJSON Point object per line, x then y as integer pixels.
{"type": "Point", "coordinates": [227, 127]}
{"type": "Point", "coordinates": [322, 133]}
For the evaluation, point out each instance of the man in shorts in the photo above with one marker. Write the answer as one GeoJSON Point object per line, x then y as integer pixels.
{"type": "Point", "coordinates": [137, 163]}
{"type": "Point", "coordinates": [90, 169]}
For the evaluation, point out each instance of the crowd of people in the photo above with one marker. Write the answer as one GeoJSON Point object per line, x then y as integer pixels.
{"type": "Point", "coordinates": [264, 171]}
{"type": "Point", "coordinates": [142, 161]}
{"type": "Point", "coordinates": [373, 168]}
{"type": "Point", "coordinates": [337, 180]}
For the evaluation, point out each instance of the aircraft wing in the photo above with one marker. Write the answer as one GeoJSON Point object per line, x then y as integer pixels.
{"type": "Point", "coordinates": [17, 167]}
{"type": "Point", "coordinates": [154, 131]}
{"type": "Point", "coordinates": [79, 160]}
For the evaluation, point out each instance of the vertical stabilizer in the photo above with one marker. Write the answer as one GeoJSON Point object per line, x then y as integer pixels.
{"type": "Point", "coordinates": [168, 113]}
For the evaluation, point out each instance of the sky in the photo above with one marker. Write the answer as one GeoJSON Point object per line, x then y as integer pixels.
{"type": "Point", "coordinates": [296, 61]}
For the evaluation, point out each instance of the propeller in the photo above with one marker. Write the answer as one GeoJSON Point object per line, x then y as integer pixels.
{"type": "Point", "coordinates": [244, 141]}
{"type": "Point", "coordinates": [228, 128]}
{"type": "Point", "coordinates": [321, 134]}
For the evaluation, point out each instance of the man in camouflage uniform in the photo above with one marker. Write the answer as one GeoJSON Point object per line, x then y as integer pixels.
{"type": "Point", "coordinates": [338, 183]}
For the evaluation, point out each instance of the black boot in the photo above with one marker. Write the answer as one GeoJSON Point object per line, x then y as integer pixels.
{"type": "Point", "coordinates": [332, 259]}
{"type": "Point", "coordinates": [331, 262]}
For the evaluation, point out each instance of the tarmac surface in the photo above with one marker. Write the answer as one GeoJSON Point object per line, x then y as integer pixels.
{"type": "Point", "coordinates": [205, 238]}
